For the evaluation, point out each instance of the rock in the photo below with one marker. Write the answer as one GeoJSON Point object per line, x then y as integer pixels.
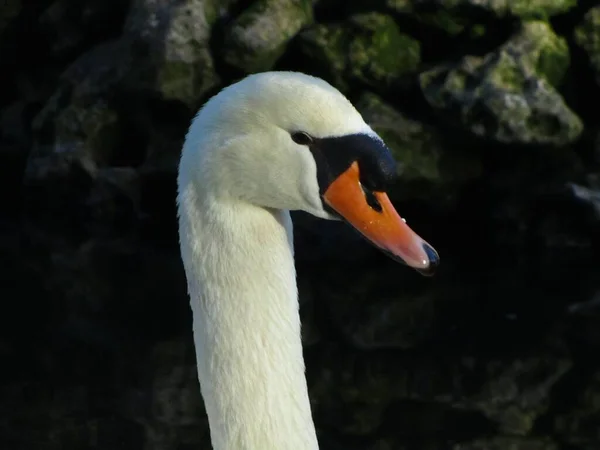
{"type": "Point", "coordinates": [171, 48]}
{"type": "Point", "coordinates": [587, 36]}
{"type": "Point", "coordinates": [88, 123]}
{"type": "Point", "coordinates": [259, 36]}
{"type": "Point", "coordinates": [538, 47]}
{"type": "Point", "coordinates": [426, 166]}
{"type": "Point", "coordinates": [507, 96]}
{"type": "Point", "coordinates": [538, 9]}
{"type": "Point", "coordinates": [367, 48]}
{"type": "Point", "coordinates": [78, 130]}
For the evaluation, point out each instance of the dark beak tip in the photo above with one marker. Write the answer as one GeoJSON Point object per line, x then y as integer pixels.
{"type": "Point", "coordinates": [434, 261]}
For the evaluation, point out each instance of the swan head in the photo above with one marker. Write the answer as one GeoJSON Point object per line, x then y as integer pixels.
{"type": "Point", "coordinates": [286, 140]}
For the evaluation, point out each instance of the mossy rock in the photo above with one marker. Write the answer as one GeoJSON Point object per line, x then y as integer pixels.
{"type": "Point", "coordinates": [259, 36]}
{"type": "Point", "coordinates": [378, 52]}
{"type": "Point", "coordinates": [524, 9]}
{"type": "Point", "coordinates": [458, 16]}
{"type": "Point", "coordinates": [587, 36]}
{"type": "Point", "coordinates": [368, 48]}
{"type": "Point", "coordinates": [446, 19]}
{"type": "Point", "coordinates": [85, 127]}
{"type": "Point", "coordinates": [536, 45]}
{"type": "Point", "coordinates": [426, 168]}
{"type": "Point", "coordinates": [536, 9]}
{"type": "Point", "coordinates": [170, 54]}
{"type": "Point", "coordinates": [508, 95]}
{"type": "Point", "coordinates": [85, 135]}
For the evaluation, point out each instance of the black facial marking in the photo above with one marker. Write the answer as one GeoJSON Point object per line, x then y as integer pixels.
{"type": "Point", "coordinates": [335, 155]}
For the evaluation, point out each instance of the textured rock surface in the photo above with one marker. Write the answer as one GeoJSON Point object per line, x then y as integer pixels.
{"type": "Point", "coordinates": [491, 113]}
{"type": "Point", "coordinates": [520, 8]}
{"type": "Point", "coordinates": [368, 48]}
{"type": "Point", "coordinates": [508, 95]}
{"type": "Point", "coordinates": [173, 39]}
{"type": "Point", "coordinates": [258, 37]}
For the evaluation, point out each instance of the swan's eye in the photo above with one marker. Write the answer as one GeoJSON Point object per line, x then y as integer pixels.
{"type": "Point", "coordinates": [371, 199]}
{"type": "Point", "coordinates": [301, 138]}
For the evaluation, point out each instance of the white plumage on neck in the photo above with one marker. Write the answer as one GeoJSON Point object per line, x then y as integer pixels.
{"type": "Point", "coordinates": [246, 325]}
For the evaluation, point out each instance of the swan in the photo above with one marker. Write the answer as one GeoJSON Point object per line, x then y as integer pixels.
{"type": "Point", "coordinates": [263, 146]}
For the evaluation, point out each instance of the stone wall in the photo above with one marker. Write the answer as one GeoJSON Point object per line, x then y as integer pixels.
{"type": "Point", "coordinates": [491, 109]}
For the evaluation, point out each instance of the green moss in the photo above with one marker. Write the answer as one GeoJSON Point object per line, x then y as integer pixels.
{"type": "Point", "coordinates": [539, 9]}
{"type": "Point", "coordinates": [369, 48]}
{"type": "Point", "coordinates": [178, 80]}
{"type": "Point", "coordinates": [211, 11]}
{"type": "Point", "coordinates": [553, 64]}
{"type": "Point", "coordinates": [477, 31]}
{"type": "Point", "coordinates": [507, 74]}
{"type": "Point", "coordinates": [542, 49]}
{"type": "Point", "coordinates": [380, 52]}
{"type": "Point", "coordinates": [457, 81]}
{"type": "Point", "coordinates": [175, 78]}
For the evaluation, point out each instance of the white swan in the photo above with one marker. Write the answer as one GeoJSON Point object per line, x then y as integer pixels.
{"type": "Point", "coordinates": [271, 143]}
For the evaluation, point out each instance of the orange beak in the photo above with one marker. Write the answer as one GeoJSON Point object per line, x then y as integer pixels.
{"type": "Point", "coordinates": [384, 228]}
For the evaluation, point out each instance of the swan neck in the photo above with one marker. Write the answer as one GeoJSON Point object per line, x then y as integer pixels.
{"type": "Point", "coordinates": [242, 283]}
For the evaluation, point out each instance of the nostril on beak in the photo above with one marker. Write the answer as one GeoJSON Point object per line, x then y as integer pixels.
{"type": "Point", "coordinates": [434, 260]}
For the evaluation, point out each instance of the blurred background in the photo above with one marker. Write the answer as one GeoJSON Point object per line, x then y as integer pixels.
{"type": "Point", "coordinates": [491, 109]}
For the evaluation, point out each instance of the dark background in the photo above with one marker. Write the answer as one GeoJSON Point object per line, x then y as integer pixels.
{"type": "Point", "coordinates": [491, 109]}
